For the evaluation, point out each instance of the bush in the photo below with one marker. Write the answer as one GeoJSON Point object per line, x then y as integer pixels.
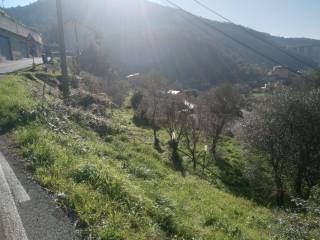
{"type": "Point", "coordinates": [43, 155]}
{"type": "Point", "coordinates": [86, 174]}
{"type": "Point", "coordinates": [48, 78]}
{"type": "Point", "coordinates": [302, 222]}
{"type": "Point", "coordinates": [136, 100]}
{"type": "Point", "coordinates": [99, 125]}
{"type": "Point", "coordinates": [118, 91]}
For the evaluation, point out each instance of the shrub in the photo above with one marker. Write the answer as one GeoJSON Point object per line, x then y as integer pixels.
{"type": "Point", "coordinates": [86, 174]}
{"type": "Point", "coordinates": [136, 100]}
{"type": "Point", "coordinates": [302, 222]}
{"type": "Point", "coordinates": [42, 155]}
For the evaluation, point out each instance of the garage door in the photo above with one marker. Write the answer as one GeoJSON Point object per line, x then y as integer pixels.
{"type": "Point", "coordinates": [5, 47]}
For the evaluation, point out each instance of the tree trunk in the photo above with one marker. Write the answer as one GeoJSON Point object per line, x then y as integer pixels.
{"type": "Point", "coordinates": [156, 142]}
{"type": "Point", "coordinates": [194, 160]}
{"type": "Point", "coordinates": [298, 182]}
{"type": "Point", "coordinates": [175, 157]}
{"type": "Point", "coordinates": [214, 149]}
{"type": "Point", "coordinates": [280, 192]}
{"type": "Point", "coordinates": [304, 161]}
{"type": "Point", "coordinates": [155, 137]}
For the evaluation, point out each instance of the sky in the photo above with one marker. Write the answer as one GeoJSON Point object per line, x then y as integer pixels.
{"type": "Point", "coordinates": [14, 3]}
{"type": "Point", "coordinates": [287, 18]}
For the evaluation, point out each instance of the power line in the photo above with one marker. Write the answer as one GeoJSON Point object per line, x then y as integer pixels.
{"type": "Point", "coordinates": [229, 36]}
{"type": "Point", "coordinates": [255, 35]}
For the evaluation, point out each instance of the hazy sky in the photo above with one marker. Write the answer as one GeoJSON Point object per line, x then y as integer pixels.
{"type": "Point", "coordinates": [290, 18]}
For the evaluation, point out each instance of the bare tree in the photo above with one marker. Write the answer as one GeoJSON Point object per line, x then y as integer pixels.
{"type": "Point", "coordinates": [153, 88]}
{"type": "Point", "coordinates": [118, 91]}
{"type": "Point", "coordinates": [173, 119]}
{"type": "Point", "coordinates": [220, 105]}
{"type": "Point", "coordinates": [192, 133]}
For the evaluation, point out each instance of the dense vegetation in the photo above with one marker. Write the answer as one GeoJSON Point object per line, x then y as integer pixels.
{"type": "Point", "coordinates": [138, 36]}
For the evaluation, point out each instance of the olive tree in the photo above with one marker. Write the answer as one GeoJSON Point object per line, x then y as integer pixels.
{"type": "Point", "coordinates": [304, 119]}
{"type": "Point", "coordinates": [269, 137]}
{"type": "Point", "coordinates": [285, 130]}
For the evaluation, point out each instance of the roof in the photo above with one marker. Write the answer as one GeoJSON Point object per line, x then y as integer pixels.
{"type": "Point", "coordinates": [174, 92]}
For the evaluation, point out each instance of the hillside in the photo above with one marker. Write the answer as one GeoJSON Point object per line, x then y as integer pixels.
{"type": "Point", "coordinates": [139, 36]}
{"type": "Point", "coordinates": [114, 182]}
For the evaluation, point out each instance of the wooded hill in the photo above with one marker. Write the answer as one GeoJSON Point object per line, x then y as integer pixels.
{"type": "Point", "coordinates": [140, 36]}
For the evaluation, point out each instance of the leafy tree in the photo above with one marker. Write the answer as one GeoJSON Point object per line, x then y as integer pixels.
{"type": "Point", "coordinates": [304, 118]}
{"type": "Point", "coordinates": [285, 130]}
{"type": "Point", "coordinates": [268, 136]}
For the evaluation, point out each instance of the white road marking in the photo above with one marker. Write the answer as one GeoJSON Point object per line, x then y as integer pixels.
{"type": "Point", "coordinates": [9, 215]}
{"type": "Point", "coordinates": [19, 193]}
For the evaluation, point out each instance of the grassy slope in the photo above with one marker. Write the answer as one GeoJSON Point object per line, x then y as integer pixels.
{"type": "Point", "coordinates": [119, 186]}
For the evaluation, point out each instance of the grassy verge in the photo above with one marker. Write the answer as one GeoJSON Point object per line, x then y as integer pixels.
{"type": "Point", "coordinates": [117, 185]}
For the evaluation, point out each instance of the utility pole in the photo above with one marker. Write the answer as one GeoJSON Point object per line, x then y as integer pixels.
{"type": "Point", "coordinates": [77, 57]}
{"type": "Point", "coordinates": [77, 37]}
{"type": "Point", "coordinates": [63, 58]}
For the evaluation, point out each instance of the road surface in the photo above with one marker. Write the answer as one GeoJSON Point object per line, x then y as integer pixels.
{"type": "Point", "coordinates": [27, 212]}
{"type": "Point", "coordinates": [12, 66]}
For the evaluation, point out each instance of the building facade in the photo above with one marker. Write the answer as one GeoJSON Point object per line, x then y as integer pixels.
{"type": "Point", "coordinates": [14, 43]}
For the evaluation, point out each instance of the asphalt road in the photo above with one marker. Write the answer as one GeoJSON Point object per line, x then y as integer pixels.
{"type": "Point", "coordinates": [27, 212]}
{"type": "Point", "coordinates": [12, 66]}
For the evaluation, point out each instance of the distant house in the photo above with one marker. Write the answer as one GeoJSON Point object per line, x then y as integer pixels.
{"type": "Point", "coordinates": [174, 92]}
{"type": "Point", "coordinates": [134, 75]}
{"type": "Point", "coordinates": [280, 72]}
{"type": "Point", "coordinates": [14, 37]}
{"type": "Point", "coordinates": [183, 97]}
{"type": "Point", "coordinates": [278, 76]}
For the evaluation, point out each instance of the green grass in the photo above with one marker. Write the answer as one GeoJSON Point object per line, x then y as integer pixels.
{"type": "Point", "coordinates": [119, 187]}
{"type": "Point", "coordinates": [16, 104]}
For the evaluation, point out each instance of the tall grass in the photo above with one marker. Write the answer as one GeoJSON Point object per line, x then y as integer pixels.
{"type": "Point", "coordinates": [16, 104]}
